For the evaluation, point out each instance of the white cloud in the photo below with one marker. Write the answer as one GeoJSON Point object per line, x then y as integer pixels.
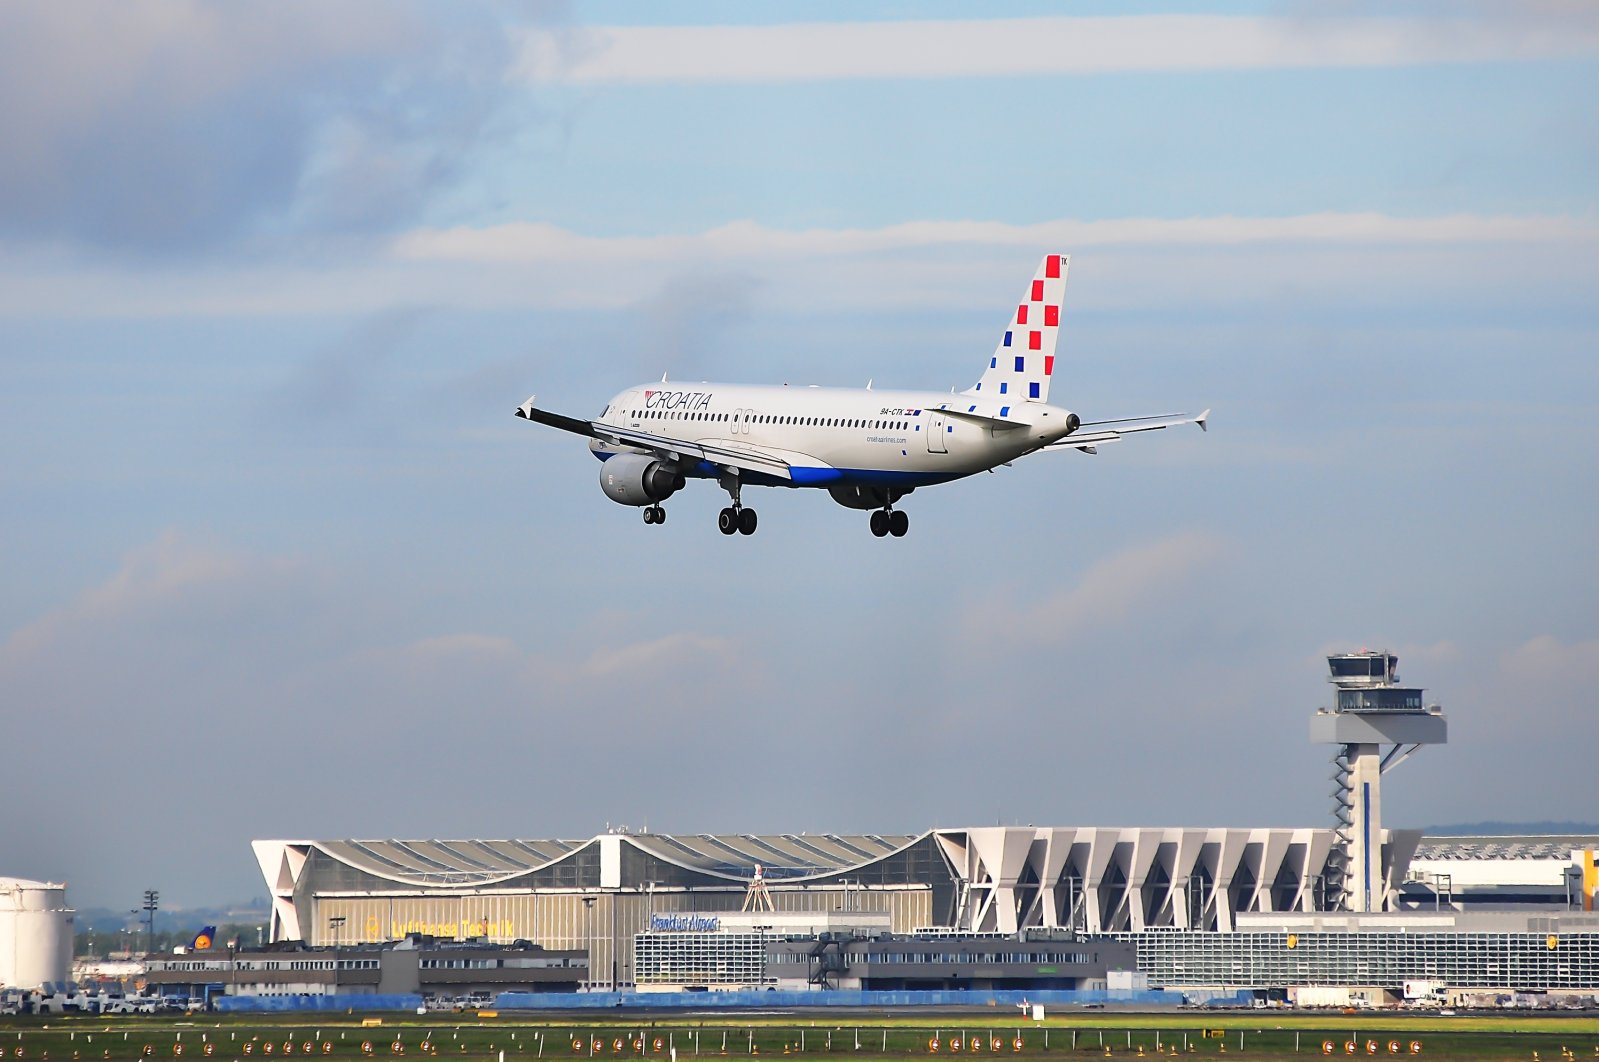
{"type": "Point", "coordinates": [1127, 583]}
{"type": "Point", "coordinates": [1140, 262]}
{"type": "Point", "coordinates": [177, 126]}
{"type": "Point", "coordinates": [821, 51]}
{"type": "Point", "coordinates": [452, 659]}
{"type": "Point", "coordinates": [1569, 669]}
{"type": "Point", "coordinates": [659, 655]}
{"type": "Point", "coordinates": [746, 240]}
{"type": "Point", "coordinates": [172, 575]}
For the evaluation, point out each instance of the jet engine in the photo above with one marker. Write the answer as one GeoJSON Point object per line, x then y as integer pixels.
{"type": "Point", "coordinates": [851, 496]}
{"type": "Point", "coordinates": [638, 479]}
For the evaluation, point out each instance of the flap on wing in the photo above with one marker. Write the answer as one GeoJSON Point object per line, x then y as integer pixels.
{"type": "Point", "coordinates": [731, 457]}
{"type": "Point", "coordinates": [734, 457]}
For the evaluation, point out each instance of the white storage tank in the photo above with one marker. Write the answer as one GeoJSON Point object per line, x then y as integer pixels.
{"type": "Point", "coordinates": [35, 933]}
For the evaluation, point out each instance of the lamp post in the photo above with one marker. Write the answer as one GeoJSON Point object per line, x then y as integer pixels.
{"type": "Point", "coordinates": [616, 895]}
{"type": "Point", "coordinates": [335, 928]}
{"type": "Point", "coordinates": [588, 928]}
{"type": "Point", "coordinates": [762, 931]}
{"type": "Point", "coordinates": [152, 903]}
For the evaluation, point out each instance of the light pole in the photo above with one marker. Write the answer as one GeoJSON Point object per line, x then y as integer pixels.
{"type": "Point", "coordinates": [588, 928]}
{"type": "Point", "coordinates": [335, 927]}
{"type": "Point", "coordinates": [616, 895]}
{"type": "Point", "coordinates": [152, 903]}
{"type": "Point", "coordinates": [762, 931]}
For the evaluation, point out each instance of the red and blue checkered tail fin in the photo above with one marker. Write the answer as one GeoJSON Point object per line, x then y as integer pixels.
{"type": "Point", "coordinates": [1024, 361]}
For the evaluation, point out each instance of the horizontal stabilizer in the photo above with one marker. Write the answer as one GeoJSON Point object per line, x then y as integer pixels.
{"type": "Point", "coordinates": [997, 423]}
{"type": "Point", "coordinates": [1086, 438]}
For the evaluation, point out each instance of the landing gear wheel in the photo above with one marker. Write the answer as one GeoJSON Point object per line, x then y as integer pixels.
{"type": "Point", "coordinates": [746, 521]}
{"type": "Point", "coordinates": [898, 524]}
{"type": "Point", "coordinates": [660, 514]}
{"type": "Point", "coordinates": [727, 521]}
{"type": "Point", "coordinates": [654, 514]}
{"type": "Point", "coordinates": [880, 523]}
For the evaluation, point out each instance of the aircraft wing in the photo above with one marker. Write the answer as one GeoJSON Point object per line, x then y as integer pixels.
{"type": "Point", "coordinates": [731, 458]}
{"type": "Point", "coordinates": [1093, 433]}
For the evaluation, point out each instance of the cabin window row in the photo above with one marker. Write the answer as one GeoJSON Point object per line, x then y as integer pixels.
{"type": "Point", "coordinates": [808, 422]}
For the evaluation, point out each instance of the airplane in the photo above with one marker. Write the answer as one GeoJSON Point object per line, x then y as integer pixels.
{"type": "Point", "coordinates": [868, 449]}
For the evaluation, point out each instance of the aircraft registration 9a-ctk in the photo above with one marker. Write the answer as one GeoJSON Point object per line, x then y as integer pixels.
{"type": "Point", "coordinates": [866, 448]}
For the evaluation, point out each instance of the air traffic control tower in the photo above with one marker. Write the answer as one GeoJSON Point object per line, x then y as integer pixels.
{"type": "Point", "coordinates": [1370, 711]}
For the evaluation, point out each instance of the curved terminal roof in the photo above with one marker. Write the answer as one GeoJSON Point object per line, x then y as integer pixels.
{"type": "Point", "coordinates": [731, 856]}
{"type": "Point", "coordinates": [783, 855]}
{"type": "Point", "coordinates": [1558, 846]}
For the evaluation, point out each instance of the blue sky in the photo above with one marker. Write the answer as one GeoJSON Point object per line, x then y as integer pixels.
{"type": "Point", "coordinates": [280, 563]}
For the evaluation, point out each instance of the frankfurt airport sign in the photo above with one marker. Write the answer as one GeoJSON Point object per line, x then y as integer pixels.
{"type": "Point", "coordinates": [684, 923]}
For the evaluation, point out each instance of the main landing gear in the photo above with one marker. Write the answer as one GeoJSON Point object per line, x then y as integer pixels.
{"type": "Point", "coordinates": [654, 514]}
{"type": "Point", "coordinates": [735, 519]}
{"type": "Point", "coordinates": [890, 522]}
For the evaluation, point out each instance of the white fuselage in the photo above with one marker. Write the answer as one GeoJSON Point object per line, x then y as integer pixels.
{"type": "Point", "coordinates": [831, 435]}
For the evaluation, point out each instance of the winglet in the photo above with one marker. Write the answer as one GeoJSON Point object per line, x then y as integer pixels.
{"type": "Point", "coordinates": [525, 410]}
{"type": "Point", "coordinates": [1200, 420]}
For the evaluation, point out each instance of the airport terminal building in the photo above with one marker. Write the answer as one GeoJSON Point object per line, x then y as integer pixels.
{"type": "Point", "coordinates": [1214, 908]}
{"type": "Point", "coordinates": [1353, 904]}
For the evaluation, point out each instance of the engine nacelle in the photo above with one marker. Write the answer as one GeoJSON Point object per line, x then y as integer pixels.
{"type": "Point", "coordinates": [637, 479]}
{"type": "Point", "coordinates": [852, 496]}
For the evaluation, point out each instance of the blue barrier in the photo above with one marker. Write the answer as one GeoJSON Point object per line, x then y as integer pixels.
{"type": "Point", "coordinates": [824, 998]}
{"type": "Point", "coordinates": [726, 1000]}
{"type": "Point", "coordinates": [350, 1001]}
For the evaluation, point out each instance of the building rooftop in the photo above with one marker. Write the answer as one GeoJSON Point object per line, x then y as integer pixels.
{"type": "Point", "coordinates": [733, 856]}
{"type": "Point", "coordinates": [1559, 846]}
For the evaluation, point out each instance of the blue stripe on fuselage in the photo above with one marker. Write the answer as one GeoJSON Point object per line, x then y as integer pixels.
{"type": "Point", "coordinates": [823, 477]}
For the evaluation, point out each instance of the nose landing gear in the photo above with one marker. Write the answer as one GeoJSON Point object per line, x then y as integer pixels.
{"type": "Point", "coordinates": [890, 522]}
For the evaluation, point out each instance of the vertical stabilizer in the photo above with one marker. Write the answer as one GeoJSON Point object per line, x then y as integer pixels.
{"type": "Point", "coordinates": [1024, 361]}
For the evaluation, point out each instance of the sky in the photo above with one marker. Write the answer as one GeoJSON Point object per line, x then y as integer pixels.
{"type": "Point", "coordinates": [279, 562]}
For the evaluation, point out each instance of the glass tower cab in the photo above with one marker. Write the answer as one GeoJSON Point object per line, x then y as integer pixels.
{"type": "Point", "coordinates": [1375, 724]}
{"type": "Point", "coordinates": [1367, 681]}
